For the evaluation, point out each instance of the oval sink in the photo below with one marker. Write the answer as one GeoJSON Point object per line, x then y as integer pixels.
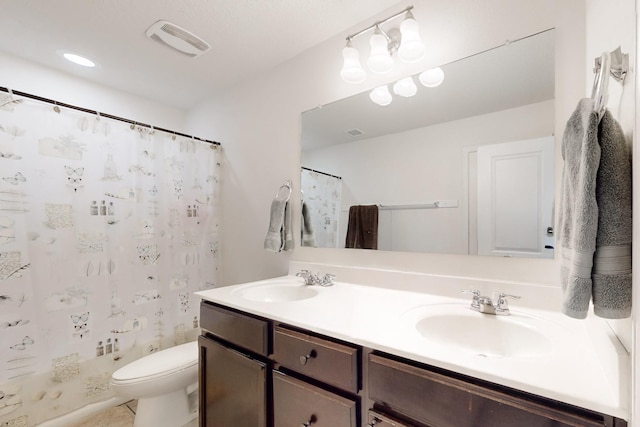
{"type": "Point", "coordinates": [451, 326]}
{"type": "Point", "coordinates": [277, 292]}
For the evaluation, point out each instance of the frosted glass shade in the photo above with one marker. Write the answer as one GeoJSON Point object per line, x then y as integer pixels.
{"type": "Point", "coordinates": [380, 60]}
{"type": "Point", "coordinates": [381, 95]}
{"type": "Point", "coordinates": [411, 47]}
{"type": "Point", "coordinates": [352, 71]}
{"type": "Point", "coordinates": [432, 78]}
{"type": "Point", "coordinates": [405, 87]}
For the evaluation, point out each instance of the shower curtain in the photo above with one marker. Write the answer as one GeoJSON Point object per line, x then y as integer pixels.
{"type": "Point", "coordinates": [106, 230]}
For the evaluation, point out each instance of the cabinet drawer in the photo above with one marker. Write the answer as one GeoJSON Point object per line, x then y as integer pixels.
{"type": "Point", "coordinates": [378, 420]}
{"type": "Point", "coordinates": [436, 399]}
{"type": "Point", "coordinates": [296, 403]}
{"type": "Point", "coordinates": [244, 330]}
{"type": "Point", "coordinates": [333, 363]}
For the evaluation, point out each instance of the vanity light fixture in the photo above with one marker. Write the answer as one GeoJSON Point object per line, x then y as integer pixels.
{"type": "Point", "coordinates": [405, 87]}
{"type": "Point", "coordinates": [381, 95]}
{"type": "Point", "coordinates": [352, 71]}
{"type": "Point", "coordinates": [384, 44]}
{"type": "Point", "coordinates": [432, 77]}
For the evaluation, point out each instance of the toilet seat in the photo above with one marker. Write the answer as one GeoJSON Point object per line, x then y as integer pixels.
{"type": "Point", "coordinates": [160, 364]}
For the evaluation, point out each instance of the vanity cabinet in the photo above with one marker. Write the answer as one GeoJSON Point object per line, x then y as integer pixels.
{"type": "Point", "coordinates": [234, 371]}
{"type": "Point", "coordinates": [299, 403]}
{"type": "Point", "coordinates": [317, 380]}
{"type": "Point", "coordinates": [257, 372]}
{"type": "Point", "coordinates": [427, 396]}
{"type": "Point", "coordinates": [254, 373]}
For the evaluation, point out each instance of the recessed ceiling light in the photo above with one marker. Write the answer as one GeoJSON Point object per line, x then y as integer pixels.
{"type": "Point", "coordinates": [78, 59]}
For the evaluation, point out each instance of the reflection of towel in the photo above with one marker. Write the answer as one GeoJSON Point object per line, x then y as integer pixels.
{"type": "Point", "coordinates": [307, 239]}
{"type": "Point", "coordinates": [595, 210]}
{"type": "Point", "coordinates": [612, 261]}
{"type": "Point", "coordinates": [362, 229]}
{"type": "Point", "coordinates": [279, 236]}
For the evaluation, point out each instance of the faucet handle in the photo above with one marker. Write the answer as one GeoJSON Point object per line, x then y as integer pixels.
{"type": "Point", "coordinates": [475, 302]}
{"type": "Point", "coordinates": [327, 279]}
{"type": "Point", "coordinates": [502, 304]}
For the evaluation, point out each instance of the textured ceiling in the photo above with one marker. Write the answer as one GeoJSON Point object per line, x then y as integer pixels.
{"type": "Point", "coordinates": [247, 37]}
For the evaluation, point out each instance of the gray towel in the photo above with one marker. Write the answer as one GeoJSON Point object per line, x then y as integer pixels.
{"type": "Point", "coordinates": [578, 215]}
{"type": "Point", "coordinates": [612, 260]}
{"type": "Point", "coordinates": [279, 235]}
{"type": "Point", "coordinates": [595, 210]}
{"type": "Point", "coordinates": [307, 238]}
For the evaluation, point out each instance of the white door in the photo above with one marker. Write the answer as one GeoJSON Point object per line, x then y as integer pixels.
{"type": "Point", "coordinates": [515, 198]}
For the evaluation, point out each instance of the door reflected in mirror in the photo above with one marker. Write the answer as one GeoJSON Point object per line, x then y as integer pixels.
{"type": "Point", "coordinates": [462, 168]}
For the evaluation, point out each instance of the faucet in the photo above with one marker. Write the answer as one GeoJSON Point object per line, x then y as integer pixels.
{"type": "Point", "coordinates": [486, 305]}
{"type": "Point", "coordinates": [311, 279]}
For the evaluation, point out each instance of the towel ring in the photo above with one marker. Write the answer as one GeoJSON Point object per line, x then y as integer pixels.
{"type": "Point", "coordinates": [287, 187]}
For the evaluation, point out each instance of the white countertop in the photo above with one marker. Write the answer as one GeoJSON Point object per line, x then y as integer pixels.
{"type": "Point", "coordinates": [588, 367]}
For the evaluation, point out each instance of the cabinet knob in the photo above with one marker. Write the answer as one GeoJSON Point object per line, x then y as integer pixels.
{"type": "Point", "coordinates": [373, 422]}
{"type": "Point", "coordinates": [312, 419]}
{"type": "Point", "coordinates": [305, 359]}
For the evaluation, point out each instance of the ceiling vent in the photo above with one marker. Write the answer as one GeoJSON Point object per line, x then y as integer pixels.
{"type": "Point", "coordinates": [354, 132]}
{"type": "Point", "coordinates": [178, 38]}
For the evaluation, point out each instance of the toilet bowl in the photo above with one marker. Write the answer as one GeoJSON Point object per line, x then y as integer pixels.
{"type": "Point", "coordinates": [159, 382]}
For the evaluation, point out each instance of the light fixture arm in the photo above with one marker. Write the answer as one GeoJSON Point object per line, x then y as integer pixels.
{"type": "Point", "coordinates": [378, 24]}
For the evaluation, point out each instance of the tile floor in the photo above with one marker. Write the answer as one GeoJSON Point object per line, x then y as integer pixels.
{"type": "Point", "coordinates": [120, 416]}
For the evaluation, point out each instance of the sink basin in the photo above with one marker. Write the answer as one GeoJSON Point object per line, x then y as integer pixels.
{"type": "Point", "coordinates": [277, 292]}
{"type": "Point", "coordinates": [458, 328]}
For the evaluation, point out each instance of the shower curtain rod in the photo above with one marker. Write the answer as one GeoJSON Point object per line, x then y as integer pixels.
{"type": "Point", "coordinates": [320, 172]}
{"type": "Point", "coordinates": [100, 114]}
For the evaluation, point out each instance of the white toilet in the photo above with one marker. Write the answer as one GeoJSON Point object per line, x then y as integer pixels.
{"type": "Point", "coordinates": [159, 382]}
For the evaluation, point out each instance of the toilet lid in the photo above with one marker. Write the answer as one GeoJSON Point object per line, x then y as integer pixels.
{"type": "Point", "coordinates": [161, 363]}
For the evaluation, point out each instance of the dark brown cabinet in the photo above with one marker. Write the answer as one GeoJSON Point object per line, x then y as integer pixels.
{"type": "Point", "coordinates": [255, 372]}
{"type": "Point", "coordinates": [233, 387]}
{"type": "Point", "coordinates": [428, 396]}
{"type": "Point", "coordinates": [298, 403]}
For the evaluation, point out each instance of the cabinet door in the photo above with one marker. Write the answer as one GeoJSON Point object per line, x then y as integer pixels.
{"type": "Point", "coordinates": [298, 404]}
{"type": "Point", "coordinates": [233, 387]}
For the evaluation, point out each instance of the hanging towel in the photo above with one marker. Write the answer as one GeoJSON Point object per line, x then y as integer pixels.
{"type": "Point", "coordinates": [307, 238]}
{"type": "Point", "coordinates": [595, 216]}
{"type": "Point", "coordinates": [578, 215]}
{"type": "Point", "coordinates": [362, 229]}
{"type": "Point", "coordinates": [279, 235]}
{"type": "Point", "coordinates": [612, 260]}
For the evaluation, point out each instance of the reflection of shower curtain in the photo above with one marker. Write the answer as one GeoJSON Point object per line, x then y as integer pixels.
{"type": "Point", "coordinates": [106, 230]}
{"type": "Point", "coordinates": [322, 194]}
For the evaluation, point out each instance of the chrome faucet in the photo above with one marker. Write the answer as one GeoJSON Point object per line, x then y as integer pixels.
{"type": "Point", "coordinates": [311, 279]}
{"type": "Point", "coordinates": [486, 305]}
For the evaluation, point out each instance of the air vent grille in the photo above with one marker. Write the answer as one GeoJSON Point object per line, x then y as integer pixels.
{"type": "Point", "coordinates": [354, 132]}
{"type": "Point", "coordinates": [178, 38]}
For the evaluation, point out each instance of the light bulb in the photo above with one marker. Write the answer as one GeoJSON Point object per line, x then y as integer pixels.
{"type": "Point", "coordinates": [432, 77]}
{"type": "Point", "coordinates": [405, 87]}
{"type": "Point", "coordinates": [380, 60]}
{"type": "Point", "coordinates": [80, 60]}
{"type": "Point", "coordinates": [411, 47]}
{"type": "Point", "coordinates": [352, 71]}
{"type": "Point", "coordinates": [381, 95]}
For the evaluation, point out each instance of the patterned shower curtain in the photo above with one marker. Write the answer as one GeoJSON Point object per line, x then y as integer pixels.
{"type": "Point", "coordinates": [106, 230]}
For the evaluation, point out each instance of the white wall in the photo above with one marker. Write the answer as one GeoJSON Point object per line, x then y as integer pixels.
{"type": "Point", "coordinates": [608, 25]}
{"type": "Point", "coordinates": [259, 124]}
{"type": "Point", "coordinates": [25, 76]}
{"type": "Point", "coordinates": [432, 169]}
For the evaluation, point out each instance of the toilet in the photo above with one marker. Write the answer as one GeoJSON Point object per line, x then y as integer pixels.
{"type": "Point", "coordinates": [159, 382]}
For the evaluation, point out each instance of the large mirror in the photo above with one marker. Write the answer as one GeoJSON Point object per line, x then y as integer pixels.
{"type": "Point", "coordinates": [465, 167]}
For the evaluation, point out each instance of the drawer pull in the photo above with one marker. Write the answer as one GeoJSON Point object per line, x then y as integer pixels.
{"type": "Point", "coordinates": [304, 359]}
{"type": "Point", "coordinates": [312, 419]}
{"type": "Point", "coordinates": [373, 422]}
